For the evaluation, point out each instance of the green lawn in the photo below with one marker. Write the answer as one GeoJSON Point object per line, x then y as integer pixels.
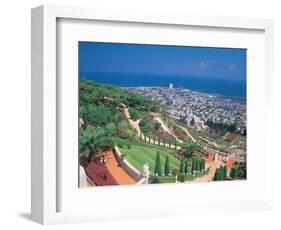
{"type": "Point", "coordinates": [138, 155]}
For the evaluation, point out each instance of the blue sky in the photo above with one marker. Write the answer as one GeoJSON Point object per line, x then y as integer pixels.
{"type": "Point", "coordinates": [200, 62]}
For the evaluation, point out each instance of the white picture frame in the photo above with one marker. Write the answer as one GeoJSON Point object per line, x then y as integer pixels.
{"type": "Point", "coordinates": [47, 183]}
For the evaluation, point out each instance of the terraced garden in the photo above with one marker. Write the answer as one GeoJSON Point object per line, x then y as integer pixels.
{"type": "Point", "coordinates": [110, 117]}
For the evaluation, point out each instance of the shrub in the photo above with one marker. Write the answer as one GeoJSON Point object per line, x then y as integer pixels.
{"type": "Point", "coordinates": [181, 178]}
{"type": "Point", "coordinates": [175, 172]}
{"type": "Point", "coordinates": [120, 145]}
{"type": "Point", "coordinates": [238, 172]}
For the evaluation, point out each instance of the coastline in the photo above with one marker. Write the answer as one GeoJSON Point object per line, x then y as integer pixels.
{"type": "Point", "coordinates": [193, 91]}
{"type": "Point", "coordinates": [232, 89]}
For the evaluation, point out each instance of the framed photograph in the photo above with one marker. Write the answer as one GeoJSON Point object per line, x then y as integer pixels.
{"type": "Point", "coordinates": [140, 114]}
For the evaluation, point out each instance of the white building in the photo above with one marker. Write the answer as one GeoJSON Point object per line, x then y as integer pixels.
{"type": "Point", "coordinates": [171, 86]}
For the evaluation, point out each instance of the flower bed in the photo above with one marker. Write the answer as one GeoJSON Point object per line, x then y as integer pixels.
{"type": "Point", "coordinates": [99, 175]}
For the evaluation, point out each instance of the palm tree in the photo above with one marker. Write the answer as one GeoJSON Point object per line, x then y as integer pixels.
{"type": "Point", "coordinates": [93, 143]}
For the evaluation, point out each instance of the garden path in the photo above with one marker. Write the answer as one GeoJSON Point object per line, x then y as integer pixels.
{"type": "Point", "coordinates": [118, 173]}
{"type": "Point", "coordinates": [136, 126]}
{"type": "Point", "coordinates": [133, 123]}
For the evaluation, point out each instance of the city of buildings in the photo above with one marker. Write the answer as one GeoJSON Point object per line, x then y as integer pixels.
{"type": "Point", "coordinates": [190, 106]}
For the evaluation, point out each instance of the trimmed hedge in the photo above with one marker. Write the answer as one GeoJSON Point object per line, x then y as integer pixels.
{"type": "Point", "coordinates": [183, 177]}
{"type": "Point", "coordinates": [163, 179]}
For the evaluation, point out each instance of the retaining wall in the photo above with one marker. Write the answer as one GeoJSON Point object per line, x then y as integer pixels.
{"type": "Point", "coordinates": [128, 168]}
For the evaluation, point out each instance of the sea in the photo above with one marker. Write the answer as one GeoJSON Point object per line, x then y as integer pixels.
{"type": "Point", "coordinates": [230, 88]}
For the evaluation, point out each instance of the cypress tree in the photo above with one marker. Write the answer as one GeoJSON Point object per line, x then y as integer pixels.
{"type": "Point", "coordinates": [182, 165]}
{"type": "Point", "coordinates": [167, 166]}
{"type": "Point", "coordinates": [225, 172]}
{"type": "Point", "coordinates": [158, 170]}
{"type": "Point", "coordinates": [198, 165]}
{"type": "Point", "coordinates": [234, 173]}
{"type": "Point", "coordinates": [202, 164]}
{"type": "Point", "coordinates": [193, 167]}
{"type": "Point", "coordinates": [186, 168]}
{"type": "Point", "coordinates": [216, 177]}
{"type": "Point", "coordinates": [221, 174]}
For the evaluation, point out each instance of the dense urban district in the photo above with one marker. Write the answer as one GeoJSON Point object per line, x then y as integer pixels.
{"type": "Point", "coordinates": [150, 135]}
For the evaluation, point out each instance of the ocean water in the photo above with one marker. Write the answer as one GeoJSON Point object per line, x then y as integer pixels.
{"type": "Point", "coordinates": [224, 87]}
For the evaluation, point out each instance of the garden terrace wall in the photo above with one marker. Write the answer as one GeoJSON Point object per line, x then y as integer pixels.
{"type": "Point", "coordinates": [128, 168]}
{"type": "Point", "coordinates": [142, 181]}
